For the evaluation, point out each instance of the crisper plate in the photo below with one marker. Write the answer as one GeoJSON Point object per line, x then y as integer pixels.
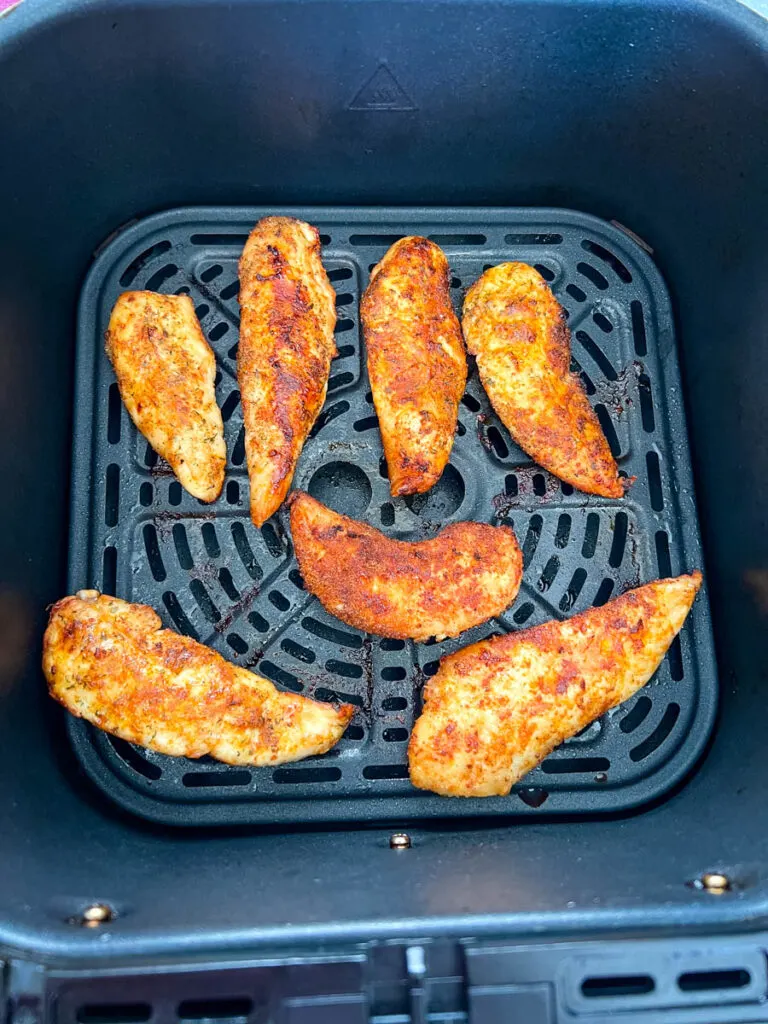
{"type": "Point", "coordinates": [212, 575]}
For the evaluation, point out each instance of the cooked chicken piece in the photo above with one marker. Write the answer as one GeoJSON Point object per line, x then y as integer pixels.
{"type": "Point", "coordinates": [288, 315]}
{"type": "Point", "coordinates": [165, 371]}
{"type": "Point", "coordinates": [416, 361]}
{"type": "Point", "coordinates": [516, 328]}
{"type": "Point", "coordinates": [494, 710]}
{"type": "Point", "coordinates": [466, 574]}
{"type": "Point", "coordinates": [111, 663]}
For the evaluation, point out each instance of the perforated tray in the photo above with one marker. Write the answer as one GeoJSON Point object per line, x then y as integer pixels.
{"type": "Point", "coordinates": [211, 574]}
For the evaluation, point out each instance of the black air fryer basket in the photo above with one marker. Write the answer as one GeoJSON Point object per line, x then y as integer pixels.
{"type": "Point", "coordinates": [619, 147]}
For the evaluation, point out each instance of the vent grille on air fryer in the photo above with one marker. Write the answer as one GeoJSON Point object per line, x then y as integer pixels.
{"type": "Point", "coordinates": [212, 575]}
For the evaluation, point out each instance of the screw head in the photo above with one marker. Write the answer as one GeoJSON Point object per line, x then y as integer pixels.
{"type": "Point", "coordinates": [95, 914]}
{"type": "Point", "coordinates": [400, 841]}
{"type": "Point", "coordinates": [715, 882]}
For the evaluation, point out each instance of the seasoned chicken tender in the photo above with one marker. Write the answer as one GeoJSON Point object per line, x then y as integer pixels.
{"type": "Point", "coordinates": [165, 371]}
{"type": "Point", "coordinates": [417, 364]}
{"type": "Point", "coordinates": [288, 316]}
{"type": "Point", "coordinates": [466, 574]}
{"type": "Point", "coordinates": [111, 663]}
{"type": "Point", "coordinates": [516, 328]}
{"type": "Point", "coordinates": [496, 709]}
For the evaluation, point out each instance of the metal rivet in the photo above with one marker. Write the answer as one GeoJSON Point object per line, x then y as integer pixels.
{"type": "Point", "coordinates": [94, 914]}
{"type": "Point", "coordinates": [715, 882]}
{"type": "Point", "coordinates": [400, 841]}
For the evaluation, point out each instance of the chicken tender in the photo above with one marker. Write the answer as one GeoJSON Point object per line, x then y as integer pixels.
{"type": "Point", "coordinates": [165, 371]}
{"type": "Point", "coordinates": [466, 574]}
{"type": "Point", "coordinates": [111, 663]}
{"type": "Point", "coordinates": [288, 316]}
{"type": "Point", "coordinates": [516, 328]}
{"type": "Point", "coordinates": [417, 364]}
{"type": "Point", "coordinates": [494, 710]}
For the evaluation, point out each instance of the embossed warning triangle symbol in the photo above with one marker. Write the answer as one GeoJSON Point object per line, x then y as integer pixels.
{"type": "Point", "coordinates": [382, 91]}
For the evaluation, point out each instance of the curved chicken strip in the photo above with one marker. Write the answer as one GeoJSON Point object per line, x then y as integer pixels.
{"type": "Point", "coordinates": [165, 371]}
{"type": "Point", "coordinates": [416, 361]}
{"type": "Point", "coordinates": [288, 315]}
{"type": "Point", "coordinates": [466, 574]}
{"type": "Point", "coordinates": [111, 663]}
{"type": "Point", "coordinates": [516, 328]}
{"type": "Point", "coordinates": [494, 710]}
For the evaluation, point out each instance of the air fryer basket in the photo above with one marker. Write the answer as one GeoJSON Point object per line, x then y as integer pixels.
{"type": "Point", "coordinates": [212, 575]}
{"type": "Point", "coordinates": [652, 114]}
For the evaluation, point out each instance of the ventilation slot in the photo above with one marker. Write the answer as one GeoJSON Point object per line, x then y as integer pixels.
{"type": "Point", "coordinates": [131, 271]}
{"type": "Point", "coordinates": [394, 704]}
{"type": "Point", "coordinates": [636, 716]}
{"type": "Point", "coordinates": [152, 547]}
{"type": "Point", "coordinates": [376, 240]}
{"type": "Point", "coordinates": [608, 257]}
{"type": "Point", "coordinates": [713, 981]}
{"type": "Point", "coordinates": [109, 571]}
{"type": "Point", "coordinates": [395, 735]}
{"type": "Point", "coordinates": [654, 481]}
{"type": "Point", "coordinates": [220, 238]}
{"type": "Point", "coordinates": [646, 403]}
{"type": "Point", "coordinates": [230, 291]}
{"type": "Point", "coordinates": [592, 274]}
{"type": "Point", "coordinates": [331, 413]}
{"type": "Point", "coordinates": [311, 775]}
{"type": "Point", "coordinates": [274, 547]}
{"type": "Point", "coordinates": [658, 736]}
{"type": "Point", "coordinates": [136, 761]}
{"type": "Point", "coordinates": [620, 529]}
{"type": "Point", "coordinates": [279, 675]}
{"type": "Point", "coordinates": [159, 278]}
{"type": "Point", "coordinates": [174, 492]}
{"type": "Point", "coordinates": [597, 355]}
{"type": "Point", "coordinates": [209, 780]}
{"type": "Point", "coordinates": [609, 430]}
{"type": "Point", "coordinates": [298, 652]}
{"type": "Point", "coordinates": [340, 380]}
{"type": "Point", "coordinates": [112, 495]}
{"type": "Point", "coordinates": [618, 985]}
{"type": "Point", "coordinates": [638, 328]}
{"type": "Point", "coordinates": [576, 293]}
{"type": "Point", "coordinates": [393, 674]}
{"type": "Point", "coordinates": [231, 1010]}
{"type": "Point", "coordinates": [385, 771]}
{"type": "Point", "coordinates": [178, 616]}
{"type": "Point", "coordinates": [236, 642]}
{"type": "Point", "coordinates": [543, 238]}
{"type": "Point", "coordinates": [569, 765]}
{"type": "Point", "coordinates": [344, 668]}
{"type": "Point", "coordinates": [532, 538]}
{"type": "Point", "coordinates": [571, 596]}
{"type": "Point", "coordinates": [114, 1013]}
{"type": "Point", "coordinates": [331, 633]}
{"type": "Point", "coordinates": [211, 273]}
{"type": "Point", "coordinates": [458, 239]}
{"type": "Point", "coordinates": [114, 412]}
{"type": "Point", "coordinates": [340, 274]}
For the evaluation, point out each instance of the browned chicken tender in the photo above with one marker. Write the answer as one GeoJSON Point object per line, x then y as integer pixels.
{"type": "Point", "coordinates": [466, 574]}
{"type": "Point", "coordinates": [165, 371]}
{"type": "Point", "coordinates": [494, 710]}
{"type": "Point", "coordinates": [516, 328]}
{"type": "Point", "coordinates": [288, 316]}
{"type": "Point", "coordinates": [111, 663]}
{"type": "Point", "coordinates": [417, 364]}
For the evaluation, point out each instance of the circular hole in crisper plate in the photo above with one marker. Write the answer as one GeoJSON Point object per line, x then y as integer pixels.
{"type": "Point", "coordinates": [343, 487]}
{"type": "Point", "coordinates": [443, 499]}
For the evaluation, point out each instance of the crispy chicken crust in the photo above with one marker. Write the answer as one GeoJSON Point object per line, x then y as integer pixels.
{"type": "Point", "coordinates": [496, 709]}
{"type": "Point", "coordinates": [417, 364]}
{"type": "Point", "coordinates": [111, 663]}
{"type": "Point", "coordinates": [466, 574]}
{"type": "Point", "coordinates": [288, 316]}
{"type": "Point", "coordinates": [165, 371]}
{"type": "Point", "coordinates": [517, 329]}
